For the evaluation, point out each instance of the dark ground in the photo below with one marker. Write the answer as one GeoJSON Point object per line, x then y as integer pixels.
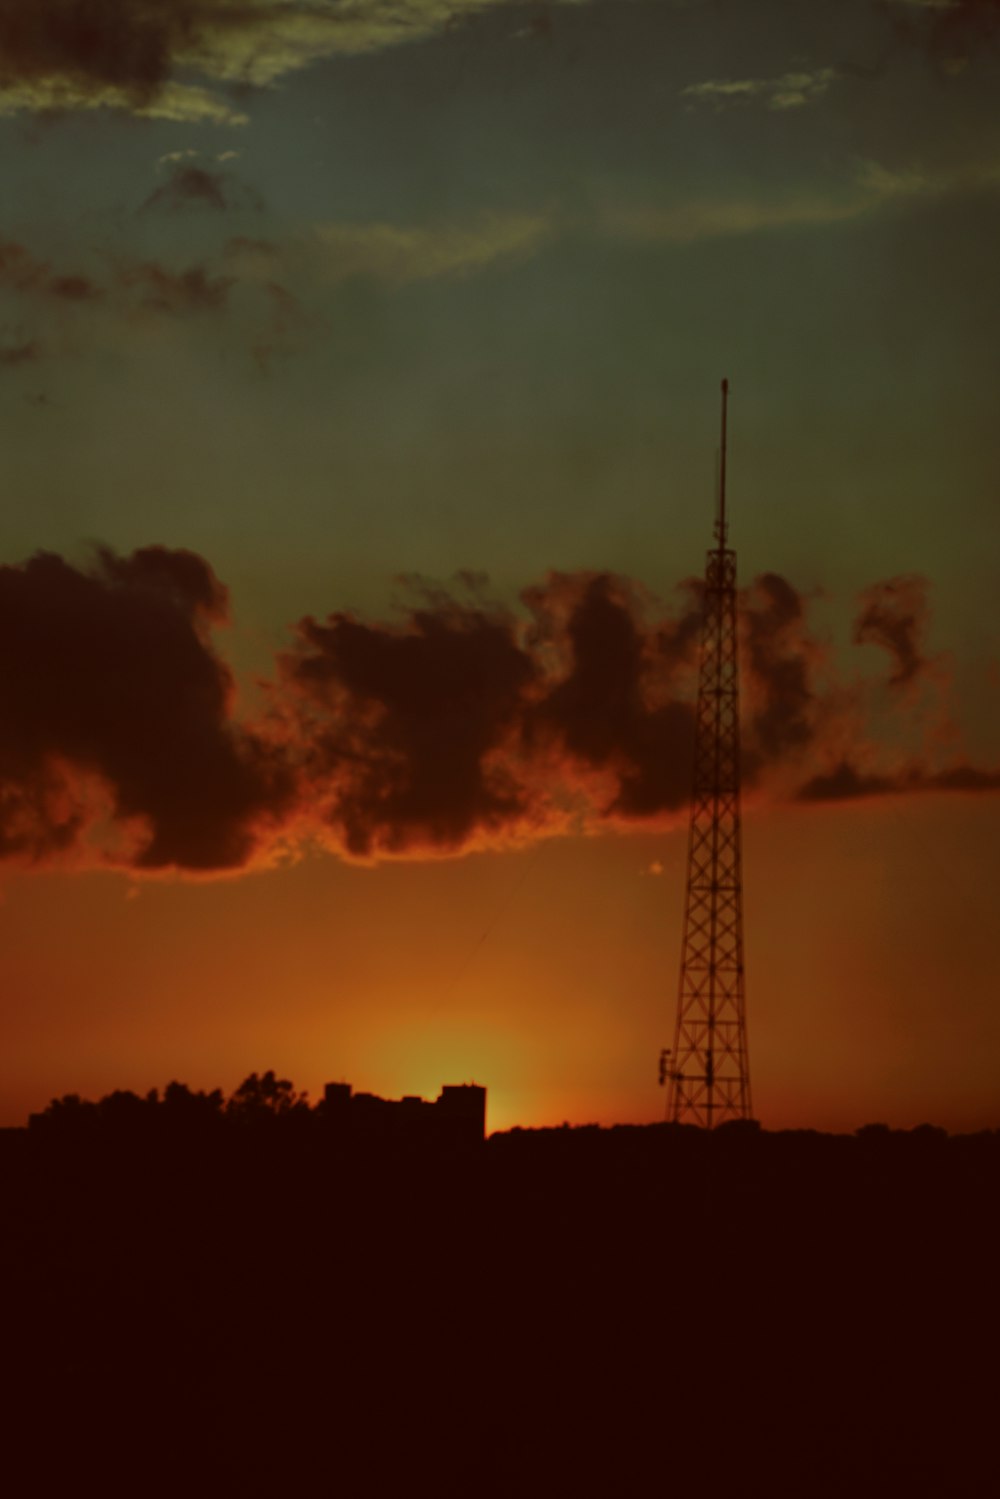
{"type": "Point", "coordinates": [565, 1312]}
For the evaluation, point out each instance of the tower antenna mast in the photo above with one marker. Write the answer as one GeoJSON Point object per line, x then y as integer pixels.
{"type": "Point", "coordinates": [720, 524]}
{"type": "Point", "coordinates": [708, 1069]}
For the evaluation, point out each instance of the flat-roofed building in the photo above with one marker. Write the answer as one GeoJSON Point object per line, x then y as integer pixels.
{"type": "Point", "coordinates": [456, 1117]}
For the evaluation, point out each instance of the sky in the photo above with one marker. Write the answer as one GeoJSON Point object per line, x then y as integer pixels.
{"type": "Point", "coordinates": [360, 368]}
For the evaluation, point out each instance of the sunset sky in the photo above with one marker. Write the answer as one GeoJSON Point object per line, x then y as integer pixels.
{"type": "Point", "coordinates": [360, 368]}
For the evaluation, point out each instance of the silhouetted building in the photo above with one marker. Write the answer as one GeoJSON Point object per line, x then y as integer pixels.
{"type": "Point", "coordinates": [336, 1097]}
{"type": "Point", "coordinates": [457, 1116]}
{"type": "Point", "coordinates": [464, 1104]}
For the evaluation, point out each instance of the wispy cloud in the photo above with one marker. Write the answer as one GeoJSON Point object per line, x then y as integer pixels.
{"type": "Point", "coordinates": [789, 91]}
{"type": "Point", "coordinates": [401, 253]}
{"type": "Point", "coordinates": [182, 103]}
{"type": "Point", "coordinates": [883, 183]}
{"type": "Point", "coordinates": [132, 57]}
{"type": "Point", "coordinates": [128, 56]}
{"type": "Point", "coordinates": [721, 217]}
{"type": "Point", "coordinates": [395, 254]}
{"type": "Point", "coordinates": [870, 187]}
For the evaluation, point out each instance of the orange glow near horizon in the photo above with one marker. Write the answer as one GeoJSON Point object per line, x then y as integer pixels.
{"type": "Point", "coordinates": [549, 977]}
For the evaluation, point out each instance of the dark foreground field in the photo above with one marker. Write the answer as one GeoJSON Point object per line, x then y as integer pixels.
{"type": "Point", "coordinates": [566, 1312]}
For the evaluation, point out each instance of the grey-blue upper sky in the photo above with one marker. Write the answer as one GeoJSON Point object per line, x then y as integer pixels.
{"type": "Point", "coordinates": [452, 286]}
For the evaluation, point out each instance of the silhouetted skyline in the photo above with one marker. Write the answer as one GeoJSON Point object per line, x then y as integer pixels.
{"type": "Point", "coordinates": [246, 1305]}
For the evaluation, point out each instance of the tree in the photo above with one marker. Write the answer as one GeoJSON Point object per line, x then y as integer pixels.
{"type": "Point", "coordinates": [260, 1099]}
{"type": "Point", "coordinates": [186, 1106]}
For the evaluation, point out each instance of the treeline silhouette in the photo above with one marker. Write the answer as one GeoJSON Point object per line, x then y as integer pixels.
{"type": "Point", "coordinates": [219, 1295]}
{"type": "Point", "coordinates": [265, 1107]}
{"type": "Point", "coordinates": [258, 1101]}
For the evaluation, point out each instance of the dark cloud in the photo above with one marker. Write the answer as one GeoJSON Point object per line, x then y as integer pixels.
{"type": "Point", "coordinates": [183, 577]}
{"type": "Point", "coordinates": [65, 54]}
{"type": "Point", "coordinates": [195, 289]}
{"type": "Point", "coordinates": [19, 351]}
{"type": "Point", "coordinates": [844, 783]}
{"type": "Point", "coordinates": [948, 32]}
{"type": "Point", "coordinates": [963, 25]}
{"type": "Point", "coordinates": [19, 270]}
{"type": "Point", "coordinates": [404, 727]}
{"type": "Point", "coordinates": [122, 44]}
{"type": "Point", "coordinates": [963, 778]}
{"type": "Point", "coordinates": [118, 712]}
{"type": "Point", "coordinates": [781, 659]}
{"type": "Point", "coordinates": [275, 322]}
{"type": "Point", "coordinates": [611, 709]}
{"type": "Point", "coordinates": [847, 783]}
{"type": "Point", "coordinates": [822, 727]}
{"type": "Point", "coordinates": [192, 186]}
{"type": "Point", "coordinates": [462, 725]}
{"type": "Point", "coordinates": [894, 616]}
{"type": "Point", "coordinates": [60, 298]}
{"type": "Point", "coordinates": [23, 273]}
{"type": "Point", "coordinates": [74, 289]}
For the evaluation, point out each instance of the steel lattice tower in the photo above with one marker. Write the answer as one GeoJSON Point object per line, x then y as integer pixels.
{"type": "Point", "coordinates": [708, 1069]}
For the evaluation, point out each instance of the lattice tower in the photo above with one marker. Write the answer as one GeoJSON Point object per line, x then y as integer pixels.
{"type": "Point", "coordinates": [708, 1068]}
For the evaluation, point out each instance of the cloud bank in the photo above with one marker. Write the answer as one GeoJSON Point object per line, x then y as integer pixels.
{"type": "Point", "coordinates": [459, 725]}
